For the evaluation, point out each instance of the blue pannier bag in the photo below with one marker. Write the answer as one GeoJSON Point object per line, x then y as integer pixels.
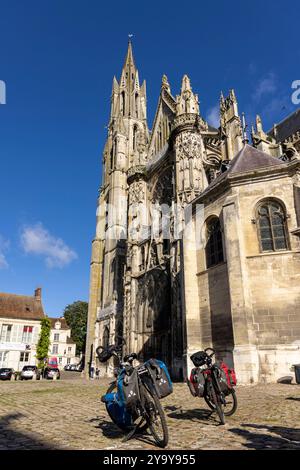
{"type": "Point", "coordinates": [117, 410]}
{"type": "Point", "coordinates": [160, 377]}
{"type": "Point", "coordinates": [116, 405]}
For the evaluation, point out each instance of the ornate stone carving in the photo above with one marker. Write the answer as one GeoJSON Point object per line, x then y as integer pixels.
{"type": "Point", "coordinates": [136, 192]}
{"type": "Point", "coordinates": [136, 171]}
{"type": "Point", "coordinates": [189, 152]}
{"type": "Point", "coordinates": [163, 189]}
{"type": "Point", "coordinates": [191, 119]}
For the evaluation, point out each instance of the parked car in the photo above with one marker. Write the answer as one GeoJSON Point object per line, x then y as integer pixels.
{"type": "Point", "coordinates": [6, 373]}
{"type": "Point", "coordinates": [67, 367]}
{"type": "Point", "coordinates": [30, 373]}
{"type": "Point", "coordinates": [52, 373]}
{"type": "Point", "coordinates": [52, 362]}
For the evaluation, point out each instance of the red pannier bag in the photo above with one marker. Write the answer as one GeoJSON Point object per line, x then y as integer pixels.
{"type": "Point", "coordinates": [230, 375]}
{"type": "Point", "coordinates": [196, 383]}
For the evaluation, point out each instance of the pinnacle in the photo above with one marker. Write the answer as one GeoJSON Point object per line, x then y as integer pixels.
{"type": "Point", "coordinates": [186, 84]}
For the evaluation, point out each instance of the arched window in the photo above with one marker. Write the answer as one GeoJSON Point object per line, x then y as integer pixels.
{"type": "Point", "coordinates": [134, 137]}
{"type": "Point", "coordinates": [137, 105]}
{"type": "Point", "coordinates": [123, 103]}
{"type": "Point", "coordinates": [112, 157]}
{"type": "Point", "coordinates": [142, 264]}
{"type": "Point", "coordinates": [214, 244]}
{"type": "Point", "coordinates": [271, 225]}
{"type": "Point", "coordinates": [105, 339]}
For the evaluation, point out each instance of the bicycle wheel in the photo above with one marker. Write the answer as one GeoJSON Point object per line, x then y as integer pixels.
{"type": "Point", "coordinates": [214, 398]}
{"type": "Point", "coordinates": [230, 406]}
{"type": "Point", "coordinates": [155, 417]}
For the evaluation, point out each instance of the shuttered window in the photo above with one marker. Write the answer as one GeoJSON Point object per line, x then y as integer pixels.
{"type": "Point", "coordinates": [6, 331]}
{"type": "Point", "coordinates": [27, 334]}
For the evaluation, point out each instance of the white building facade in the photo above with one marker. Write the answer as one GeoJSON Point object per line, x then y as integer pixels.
{"type": "Point", "coordinates": [20, 327]}
{"type": "Point", "coordinates": [20, 318]}
{"type": "Point", "coordinates": [61, 345]}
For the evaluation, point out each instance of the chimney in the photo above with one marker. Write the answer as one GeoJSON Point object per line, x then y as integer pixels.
{"type": "Point", "coordinates": [38, 293]}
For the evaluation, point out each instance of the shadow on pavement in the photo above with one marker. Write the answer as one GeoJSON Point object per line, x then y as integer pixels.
{"type": "Point", "coordinates": [111, 430]}
{"type": "Point", "coordinates": [108, 428]}
{"type": "Point", "coordinates": [11, 439]}
{"type": "Point", "coordinates": [287, 438]}
{"type": "Point", "coordinates": [203, 416]}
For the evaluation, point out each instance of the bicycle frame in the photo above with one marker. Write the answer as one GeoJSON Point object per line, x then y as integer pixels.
{"type": "Point", "coordinates": [211, 376]}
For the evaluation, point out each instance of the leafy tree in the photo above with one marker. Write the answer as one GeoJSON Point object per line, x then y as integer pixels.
{"type": "Point", "coordinates": [76, 318]}
{"type": "Point", "coordinates": [42, 349]}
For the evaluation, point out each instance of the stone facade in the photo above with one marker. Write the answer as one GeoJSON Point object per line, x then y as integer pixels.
{"type": "Point", "coordinates": [197, 235]}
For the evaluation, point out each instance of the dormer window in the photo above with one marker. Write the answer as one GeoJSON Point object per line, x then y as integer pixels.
{"type": "Point", "coordinates": [57, 325]}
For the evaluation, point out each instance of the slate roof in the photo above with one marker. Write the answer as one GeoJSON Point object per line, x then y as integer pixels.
{"type": "Point", "coordinates": [250, 158]}
{"type": "Point", "coordinates": [287, 127]}
{"type": "Point", "coordinates": [21, 307]}
{"type": "Point", "coordinates": [246, 160]}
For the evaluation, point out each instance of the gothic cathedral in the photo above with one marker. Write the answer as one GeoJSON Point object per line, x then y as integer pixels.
{"type": "Point", "coordinates": [234, 282]}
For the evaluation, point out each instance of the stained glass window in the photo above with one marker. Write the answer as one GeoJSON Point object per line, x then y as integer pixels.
{"type": "Point", "coordinates": [214, 245]}
{"type": "Point", "coordinates": [272, 231]}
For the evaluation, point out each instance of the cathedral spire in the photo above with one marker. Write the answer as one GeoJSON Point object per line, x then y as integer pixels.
{"type": "Point", "coordinates": [129, 70]}
{"type": "Point", "coordinates": [130, 92]}
{"type": "Point", "coordinates": [129, 56]}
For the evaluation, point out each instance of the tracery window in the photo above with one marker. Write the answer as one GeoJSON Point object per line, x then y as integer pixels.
{"type": "Point", "coordinates": [271, 225]}
{"type": "Point", "coordinates": [214, 244]}
{"type": "Point", "coordinates": [105, 339]}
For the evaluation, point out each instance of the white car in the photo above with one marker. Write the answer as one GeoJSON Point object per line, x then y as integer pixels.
{"type": "Point", "coordinates": [30, 373]}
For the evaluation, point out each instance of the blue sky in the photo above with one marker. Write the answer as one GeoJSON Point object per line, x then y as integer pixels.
{"type": "Point", "coordinates": [58, 59]}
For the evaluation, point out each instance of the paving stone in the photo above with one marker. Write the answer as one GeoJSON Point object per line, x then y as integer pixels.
{"type": "Point", "coordinates": [69, 414]}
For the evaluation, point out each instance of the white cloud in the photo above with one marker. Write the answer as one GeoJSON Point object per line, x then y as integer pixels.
{"type": "Point", "coordinates": [38, 240]}
{"type": "Point", "coordinates": [266, 85]}
{"type": "Point", "coordinates": [4, 245]}
{"type": "Point", "coordinates": [213, 116]}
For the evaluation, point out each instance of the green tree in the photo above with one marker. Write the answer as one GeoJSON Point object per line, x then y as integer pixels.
{"type": "Point", "coordinates": [76, 318]}
{"type": "Point", "coordinates": [42, 349]}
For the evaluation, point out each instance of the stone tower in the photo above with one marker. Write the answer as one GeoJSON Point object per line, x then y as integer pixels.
{"type": "Point", "coordinates": [126, 141]}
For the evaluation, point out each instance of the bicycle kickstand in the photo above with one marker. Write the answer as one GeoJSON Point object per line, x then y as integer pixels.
{"type": "Point", "coordinates": [130, 434]}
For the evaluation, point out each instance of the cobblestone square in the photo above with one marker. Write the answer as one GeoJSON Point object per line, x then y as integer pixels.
{"type": "Point", "coordinates": [68, 414]}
